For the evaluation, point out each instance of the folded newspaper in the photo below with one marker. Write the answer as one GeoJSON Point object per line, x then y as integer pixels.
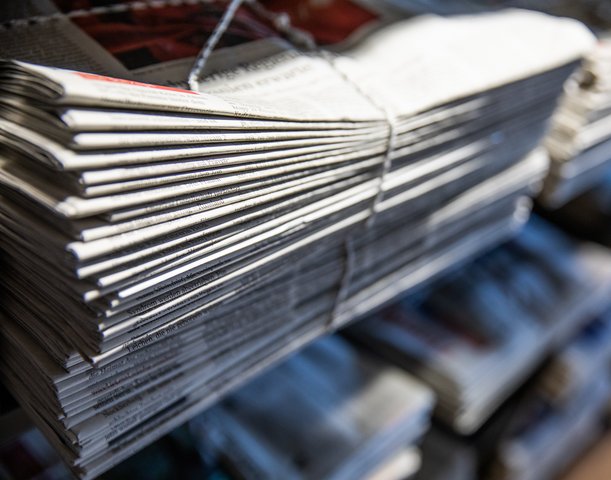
{"type": "Point", "coordinates": [330, 412]}
{"type": "Point", "coordinates": [161, 245]}
{"type": "Point", "coordinates": [479, 333]}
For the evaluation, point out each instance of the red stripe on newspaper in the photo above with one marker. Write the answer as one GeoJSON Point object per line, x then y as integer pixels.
{"type": "Point", "coordinates": [101, 78]}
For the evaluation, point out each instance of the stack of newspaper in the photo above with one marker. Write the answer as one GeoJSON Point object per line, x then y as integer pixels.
{"type": "Point", "coordinates": [543, 428]}
{"type": "Point", "coordinates": [161, 246]}
{"type": "Point", "coordinates": [579, 142]}
{"type": "Point", "coordinates": [563, 414]}
{"type": "Point", "coordinates": [476, 335]}
{"type": "Point", "coordinates": [331, 412]}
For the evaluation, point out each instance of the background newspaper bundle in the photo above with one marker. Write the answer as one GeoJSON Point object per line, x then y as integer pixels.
{"type": "Point", "coordinates": [579, 142]}
{"type": "Point", "coordinates": [542, 429]}
{"type": "Point", "coordinates": [281, 425]}
{"type": "Point", "coordinates": [161, 246]}
{"type": "Point", "coordinates": [476, 335]}
{"type": "Point", "coordinates": [563, 413]}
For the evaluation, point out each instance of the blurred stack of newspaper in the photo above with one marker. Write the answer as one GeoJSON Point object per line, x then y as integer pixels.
{"type": "Point", "coordinates": [476, 335]}
{"type": "Point", "coordinates": [579, 143]}
{"type": "Point", "coordinates": [332, 411]}
{"type": "Point", "coordinates": [563, 413]}
{"type": "Point", "coordinates": [161, 246]}
{"type": "Point", "coordinates": [543, 428]}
